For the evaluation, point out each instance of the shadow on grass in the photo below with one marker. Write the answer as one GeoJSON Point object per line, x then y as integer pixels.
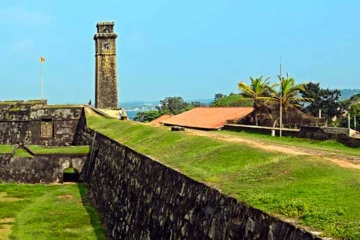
{"type": "Point", "coordinates": [95, 219]}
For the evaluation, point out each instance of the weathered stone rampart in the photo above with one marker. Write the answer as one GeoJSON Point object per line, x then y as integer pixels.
{"type": "Point", "coordinates": [349, 141]}
{"type": "Point", "coordinates": [139, 198]}
{"type": "Point", "coordinates": [34, 123]}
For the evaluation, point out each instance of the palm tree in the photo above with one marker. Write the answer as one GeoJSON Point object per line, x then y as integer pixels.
{"type": "Point", "coordinates": [260, 91]}
{"type": "Point", "coordinates": [289, 93]}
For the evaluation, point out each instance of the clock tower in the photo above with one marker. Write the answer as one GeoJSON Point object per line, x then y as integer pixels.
{"type": "Point", "coordinates": [106, 92]}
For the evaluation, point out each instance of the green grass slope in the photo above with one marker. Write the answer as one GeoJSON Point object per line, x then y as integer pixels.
{"type": "Point", "coordinates": [36, 211]}
{"type": "Point", "coordinates": [6, 149]}
{"type": "Point", "coordinates": [310, 190]}
{"type": "Point", "coordinates": [39, 149]}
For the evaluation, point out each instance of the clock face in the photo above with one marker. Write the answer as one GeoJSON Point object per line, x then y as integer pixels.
{"type": "Point", "coordinates": [106, 30]}
{"type": "Point", "coordinates": [106, 46]}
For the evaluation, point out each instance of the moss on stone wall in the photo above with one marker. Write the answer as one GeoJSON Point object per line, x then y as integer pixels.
{"type": "Point", "coordinates": [16, 109]}
{"type": "Point", "coordinates": [22, 153]}
{"type": "Point", "coordinates": [11, 102]}
{"type": "Point", "coordinates": [38, 149]}
{"type": "Point", "coordinates": [60, 106]}
{"type": "Point", "coordinates": [35, 101]}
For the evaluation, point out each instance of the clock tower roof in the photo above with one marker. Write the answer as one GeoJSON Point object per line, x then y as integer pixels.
{"type": "Point", "coordinates": [105, 30]}
{"type": "Point", "coordinates": [105, 23]}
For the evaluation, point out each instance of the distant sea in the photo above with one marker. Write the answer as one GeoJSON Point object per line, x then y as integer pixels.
{"type": "Point", "coordinates": [132, 108]}
{"type": "Point", "coordinates": [131, 114]}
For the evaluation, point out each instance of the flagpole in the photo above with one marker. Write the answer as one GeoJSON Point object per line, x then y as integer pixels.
{"type": "Point", "coordinates": [42, 60]}
{"type": "Point", "coordinates": [42, 81]}
{"type": "Point", "coordinates": [280, 130]}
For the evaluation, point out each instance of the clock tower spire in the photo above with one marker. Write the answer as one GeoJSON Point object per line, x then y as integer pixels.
{"type": "Point", "coordinates": [106, 92]}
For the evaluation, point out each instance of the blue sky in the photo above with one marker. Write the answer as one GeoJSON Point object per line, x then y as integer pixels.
{"type": "Point", "coordinates": [192, 49]}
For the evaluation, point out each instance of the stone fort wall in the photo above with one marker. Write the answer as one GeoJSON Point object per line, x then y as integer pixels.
{"type": "Point", "coordinates": [37, 123]}
{"type": "Point", "coordinates": [42, 168]}
{"type": "Point", "coordinates": [139, 198]}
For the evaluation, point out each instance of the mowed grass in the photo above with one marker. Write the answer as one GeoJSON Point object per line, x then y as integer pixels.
{"type": "Point", "coordinates": [310, 190]}
{"type": "Point", "coordinates": [39, 149]}
{"type": "Point", "coordinates": [6, 148]}
{"type": "Point", "coordinates": [20, 152]}
{"type": "Point", "coordinates": [47, 212]}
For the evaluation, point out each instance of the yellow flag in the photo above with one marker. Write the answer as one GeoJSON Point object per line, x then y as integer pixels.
{"type": "Point", "coordinates": [42, 59]}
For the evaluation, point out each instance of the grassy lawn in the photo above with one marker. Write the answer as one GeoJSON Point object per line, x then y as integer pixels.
{"type": "Point", "coordinates": [310, 190]}
{"type": "Point", "coordinates": [38, 149]}
{"type": "Point", "coordinates": [47, 212]}
{"type": "Point", "coordinates": [22, 153]}
{"type": "Point", "coordinates": [6, 148]}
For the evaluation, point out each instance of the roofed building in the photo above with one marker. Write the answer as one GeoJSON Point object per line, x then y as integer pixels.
{"type": "Point", "coordinates": [207, 118]}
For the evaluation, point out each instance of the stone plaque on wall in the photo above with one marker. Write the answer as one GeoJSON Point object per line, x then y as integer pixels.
{"type": "Point", "coordinates": [47, 129]}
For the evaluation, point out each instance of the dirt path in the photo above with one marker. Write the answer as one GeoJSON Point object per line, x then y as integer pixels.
{"type": "Point", "coordinates": [341, 160]}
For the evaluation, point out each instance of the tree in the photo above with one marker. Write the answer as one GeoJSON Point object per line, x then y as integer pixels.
{"type": "Point", "coordinates": [169, 105]}
{"type": "Point", "coordinates": [330, 104]}
{"type": "Point", "coordinates": [260, 91]}
{"type": "Point", "coordinates": [325, 100]}
{"type": "Point", "coordinates": [312, 90]}
{"type": "Point", "coordinates": [288, 97]}
{"type": "Point", "coordinates": [173, 105]}
{"type": "Point", "coordinates": [289, 93]}
{"type": "Point", "coordinates": [147, 116]}
{"type": "Point", "coordinates": [231, 100]}
{"type": "Point", "coordinates": [218, 96]}
{"type": "Point", "coordinates": [353, 107]}
{"type": "Point", "coordinates": [197, 104]}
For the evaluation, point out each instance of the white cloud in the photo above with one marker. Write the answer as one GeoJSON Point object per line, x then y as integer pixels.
{"type": "Point", "coordinates": [23, 45]}
{"type": "Point", "coordinates": [21, 16]}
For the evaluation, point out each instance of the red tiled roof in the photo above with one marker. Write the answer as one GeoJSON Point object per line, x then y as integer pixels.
{"type": "Point", "coordinates": [207, 117]}
{"type": "Point", "coordinates": [160, 119]}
